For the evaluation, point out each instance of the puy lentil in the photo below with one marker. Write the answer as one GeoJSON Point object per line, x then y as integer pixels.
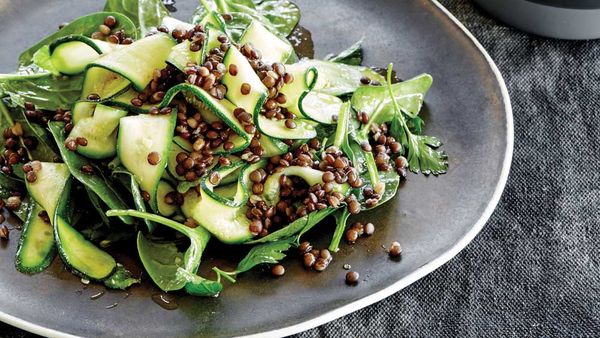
{"type": "Point", "coordinates": [395, 249]}
{"type": "Point", "coordinates": [154, 158]}
{"type": "Point", "coordinates": [110, 21]}
{"type": "Point", "coordinates": [31, 177]}
{"type": "Point", "coordinates": [278, 270]}
{"type": "Point", "coordinates": [245, 88]}
{"type": "Point", "coordinates": [352, 277]}
{"type": "Point", "coordinates": [13, 203]}
{"type": "Point", "coordinates": [146, 195]}
{"type": "Point", "coordinates": [4, 233]}
{"type": "Point", "coordinates": [87, 169]}
{"type": "Point", "coordinates": [369, 229]}
{"type": "Point", "coordinates": [351, 236]}
{"type": "Point", "coordinates": [309, 260]}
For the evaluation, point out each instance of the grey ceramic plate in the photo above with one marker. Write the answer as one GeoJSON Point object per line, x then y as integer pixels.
{"type": "Point", "coordinates": [434, 218]}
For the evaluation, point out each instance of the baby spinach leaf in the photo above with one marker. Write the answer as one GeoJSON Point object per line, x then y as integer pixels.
{"type": "Point", "coordinates": [167, 267]}
{"type": "Point", "coordinates": [351, 56]}
{"type": "Point", "coordinates": [161, 261]}
{"type": "Point", "coordinates": [283, 15]}
{"type": "Point", "coordinates": [85, 25]}
{"type": "Point", "coordinates": [92, 181]}
{"type": "Point", "coordinates": [8, 184]}
{"type": "Point", "coordinates": [42, 59]}
{"type": "Point", "coordinates": [376, 100]}
{"type": "Point", "coordinates": [268, 253]}
{"type": "Point", "coordinates": [313, 219]}
{"type": "Point", "coordinates": [279, 16]}
{"type": "Point", "coordinates": [120, 279]}
{"type": "Point", "coordinates": [145, 14]}
{"type": "Point", "coordinates": [44, 90]}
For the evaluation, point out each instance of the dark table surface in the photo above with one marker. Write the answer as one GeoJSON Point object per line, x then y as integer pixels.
{"type": "Point", "coordinates": [534, 271]}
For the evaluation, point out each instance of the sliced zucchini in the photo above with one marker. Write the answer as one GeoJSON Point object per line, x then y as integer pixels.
{"type": "Point", "coordinates": [272, 146]}
{"type": "Point", "coordinates": [308, 174]}
{"type": "Point", "coordinates": [304, 80]}
{"type": "Point", "coordinates": [338, 78]}
{"type": "Point", "coordinates": [139, 136]}
{"type": "Point", "coordinates": [51, 190]}
{"type": "Point", "coordinates": [276, 128]}
{"type": "Point", "coordinates": [213, 109]}
{"type": "Point", "coordinates": [71, 54]}
{"type": "Point", "coordinates": [171, 24]}
{"type": "Point", "coordinates": [100, 131]}
{"type": "Point", "coordinates": [123, 101]}
{"type": "Point", "coordinates": [223, 217]}
{"type": "Point", "coordinates": [112, 74]}
{"type": "Point", "coordinates": [163, 208]}
{"type": "Point", "coordinates": [181, 55]}
{"type": "Point", "coordinates": [272, 48]}
{"type": "Point", "coordinates": [49, 185]}
{"type": "Point", "coordinates": [320, 107]}
{"type": "Point", "coordinates": [37, 247]}
{"type": "Point", "coordinates": [253, 101]}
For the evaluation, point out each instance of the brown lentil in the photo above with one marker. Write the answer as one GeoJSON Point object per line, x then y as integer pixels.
{"type": "Point", "coordinates": [395, 250]}
{"type": "Point", "coordinates": [31, 177]}
{"type": "Point", "coordinates": [369, 229]}
{"type": "Point", "coordinates": [154, 158]}
{"type": "Point", "coordinates": [245, 88]}
{"type": "Point", "coordinates": [351, 236]}
{"type": "Point", "coordinates": [110, 21]}
{"type": "Point", "coordinates": [278, 270]}
{"type": "Point", "coordinates": [4, 232]}
{"type": "Point", "coordinates": [13, 203]}
{"type": "Point", "coordinates": [309, 260]}
{"type": "Point", "coordinates": [87, 169]}
{"type": "Point", "coordinates": [352, 277]}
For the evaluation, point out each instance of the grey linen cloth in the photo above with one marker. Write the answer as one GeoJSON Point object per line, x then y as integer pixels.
{"type": "Point", "coordinates": [534, 271]}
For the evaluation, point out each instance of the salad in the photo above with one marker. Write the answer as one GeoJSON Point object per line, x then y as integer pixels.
{"type": "Point", "coordinates": [130, 128]}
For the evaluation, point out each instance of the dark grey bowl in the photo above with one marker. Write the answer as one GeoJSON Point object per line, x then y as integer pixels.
{"type": "Point", "coordinates": [563, 19]}
{"type": "Point", "coordinates": [434, 218]}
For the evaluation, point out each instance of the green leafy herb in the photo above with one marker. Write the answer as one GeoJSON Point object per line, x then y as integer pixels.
{"type": "Point", "coordinates": [45, 149]}
{"type": "Point", "coordinates": [421, 150]}
{"type": "Point", "coordinates": [351, 56]}
{"type": "Point", "coordinates": [120, 279]}
{"type": "Point", "coordinates": [313, 219]}
{"type": "Point", "coordinates": [94, 182]}
{"type": "Point", "coordinates": [145, 14]}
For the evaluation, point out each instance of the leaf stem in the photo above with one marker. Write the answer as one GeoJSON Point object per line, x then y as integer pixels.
{"type": "Point", "coordinates": [341, 217]}
{"type": "Point", "coordinates": [152, 217]}
{"type": "Point", "coordinates": [225, 274]}
{"type": "Point", "coordinates": [341, 132]}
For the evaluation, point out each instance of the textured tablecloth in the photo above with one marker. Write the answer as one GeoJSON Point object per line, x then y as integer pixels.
{"type": "Point", "coordinates": [534, 271]}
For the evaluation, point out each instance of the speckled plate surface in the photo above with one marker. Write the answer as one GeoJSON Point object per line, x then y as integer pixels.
{"type": "Point", "coordinates": [434, 218]}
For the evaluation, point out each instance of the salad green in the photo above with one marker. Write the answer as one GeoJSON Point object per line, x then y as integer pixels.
{"type": "Point", "coordinates": [131, 127]}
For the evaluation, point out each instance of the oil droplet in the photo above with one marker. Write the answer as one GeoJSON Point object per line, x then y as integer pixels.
{"type": "Point", "coordinates": [112, 305]}
{"type": "Point", "coordinates": [347, 267]}
{"type": "Point", "coordinates": [165, 301]}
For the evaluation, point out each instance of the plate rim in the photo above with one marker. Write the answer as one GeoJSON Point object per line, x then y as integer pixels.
{"type": "Point", "coordinates": [402, 283]}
